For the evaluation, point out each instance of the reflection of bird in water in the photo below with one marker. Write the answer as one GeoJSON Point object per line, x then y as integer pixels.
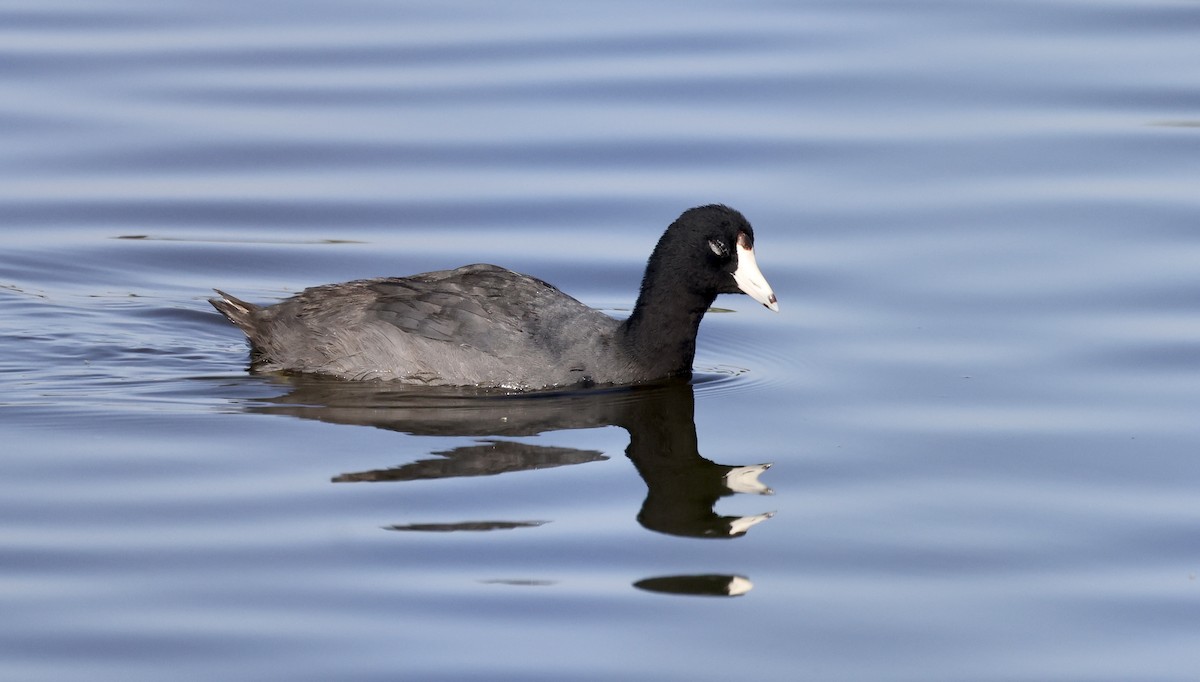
{"type": "Point", "coordinates": [487, 458]}
{"type": "Point", "coordinates": [683, 486]}
{"type": "Point", "coordinates": [712, 585]}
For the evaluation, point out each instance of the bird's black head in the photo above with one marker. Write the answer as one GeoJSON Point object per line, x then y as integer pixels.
{"type": "Point", "coordinates": [711, 248]}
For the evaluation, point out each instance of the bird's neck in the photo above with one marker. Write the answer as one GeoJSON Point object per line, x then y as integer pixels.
{"type": "Point", "coordinates": [661, 333]}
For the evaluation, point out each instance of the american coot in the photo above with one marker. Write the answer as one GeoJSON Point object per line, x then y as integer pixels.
{"type": "Point", "coordinates": [483, 325]}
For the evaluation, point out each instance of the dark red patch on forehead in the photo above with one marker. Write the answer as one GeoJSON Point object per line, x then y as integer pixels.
{"type": "Point", "coordinates": [745, 240]}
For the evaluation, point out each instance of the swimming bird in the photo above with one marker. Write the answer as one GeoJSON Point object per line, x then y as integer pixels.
{"type": "Point", "coordinates": [486, 326]}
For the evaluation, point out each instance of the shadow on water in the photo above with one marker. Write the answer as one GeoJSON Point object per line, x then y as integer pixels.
{"type": "Point", "coordinates": [682, 486]}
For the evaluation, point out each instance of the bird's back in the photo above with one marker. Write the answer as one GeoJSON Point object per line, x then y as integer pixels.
{"type": "Point", "coordinates": [474, 325]}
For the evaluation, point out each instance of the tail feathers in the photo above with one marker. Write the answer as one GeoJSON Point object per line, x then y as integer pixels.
{"type": "Point", "coordinates": [235, 310]}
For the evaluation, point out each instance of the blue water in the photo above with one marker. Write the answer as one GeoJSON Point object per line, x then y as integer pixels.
{"type": "Point", "coordinates": [979, 399]}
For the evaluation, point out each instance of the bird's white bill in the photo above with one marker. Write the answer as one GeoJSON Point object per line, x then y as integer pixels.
{"type": "Point", "coordinates": [750, 280]}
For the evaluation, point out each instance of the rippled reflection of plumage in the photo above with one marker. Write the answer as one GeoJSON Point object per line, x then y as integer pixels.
{"type": "Point", "coordinates": [683, 486]}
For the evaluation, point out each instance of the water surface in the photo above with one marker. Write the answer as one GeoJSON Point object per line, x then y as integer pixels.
{"type": "Point", "coordinates": [979, 400]}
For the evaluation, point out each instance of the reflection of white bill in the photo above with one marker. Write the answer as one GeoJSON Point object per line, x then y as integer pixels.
{"type": "Point", "coordinates": [742, 524]}
{"type": "Point", "coordinates": [745, 480]}
{"type": "Point", "coordinates": [739, 585]}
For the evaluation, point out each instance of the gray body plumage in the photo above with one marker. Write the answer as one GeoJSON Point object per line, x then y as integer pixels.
{"type": "Point", "coordinates": [479, 325]}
